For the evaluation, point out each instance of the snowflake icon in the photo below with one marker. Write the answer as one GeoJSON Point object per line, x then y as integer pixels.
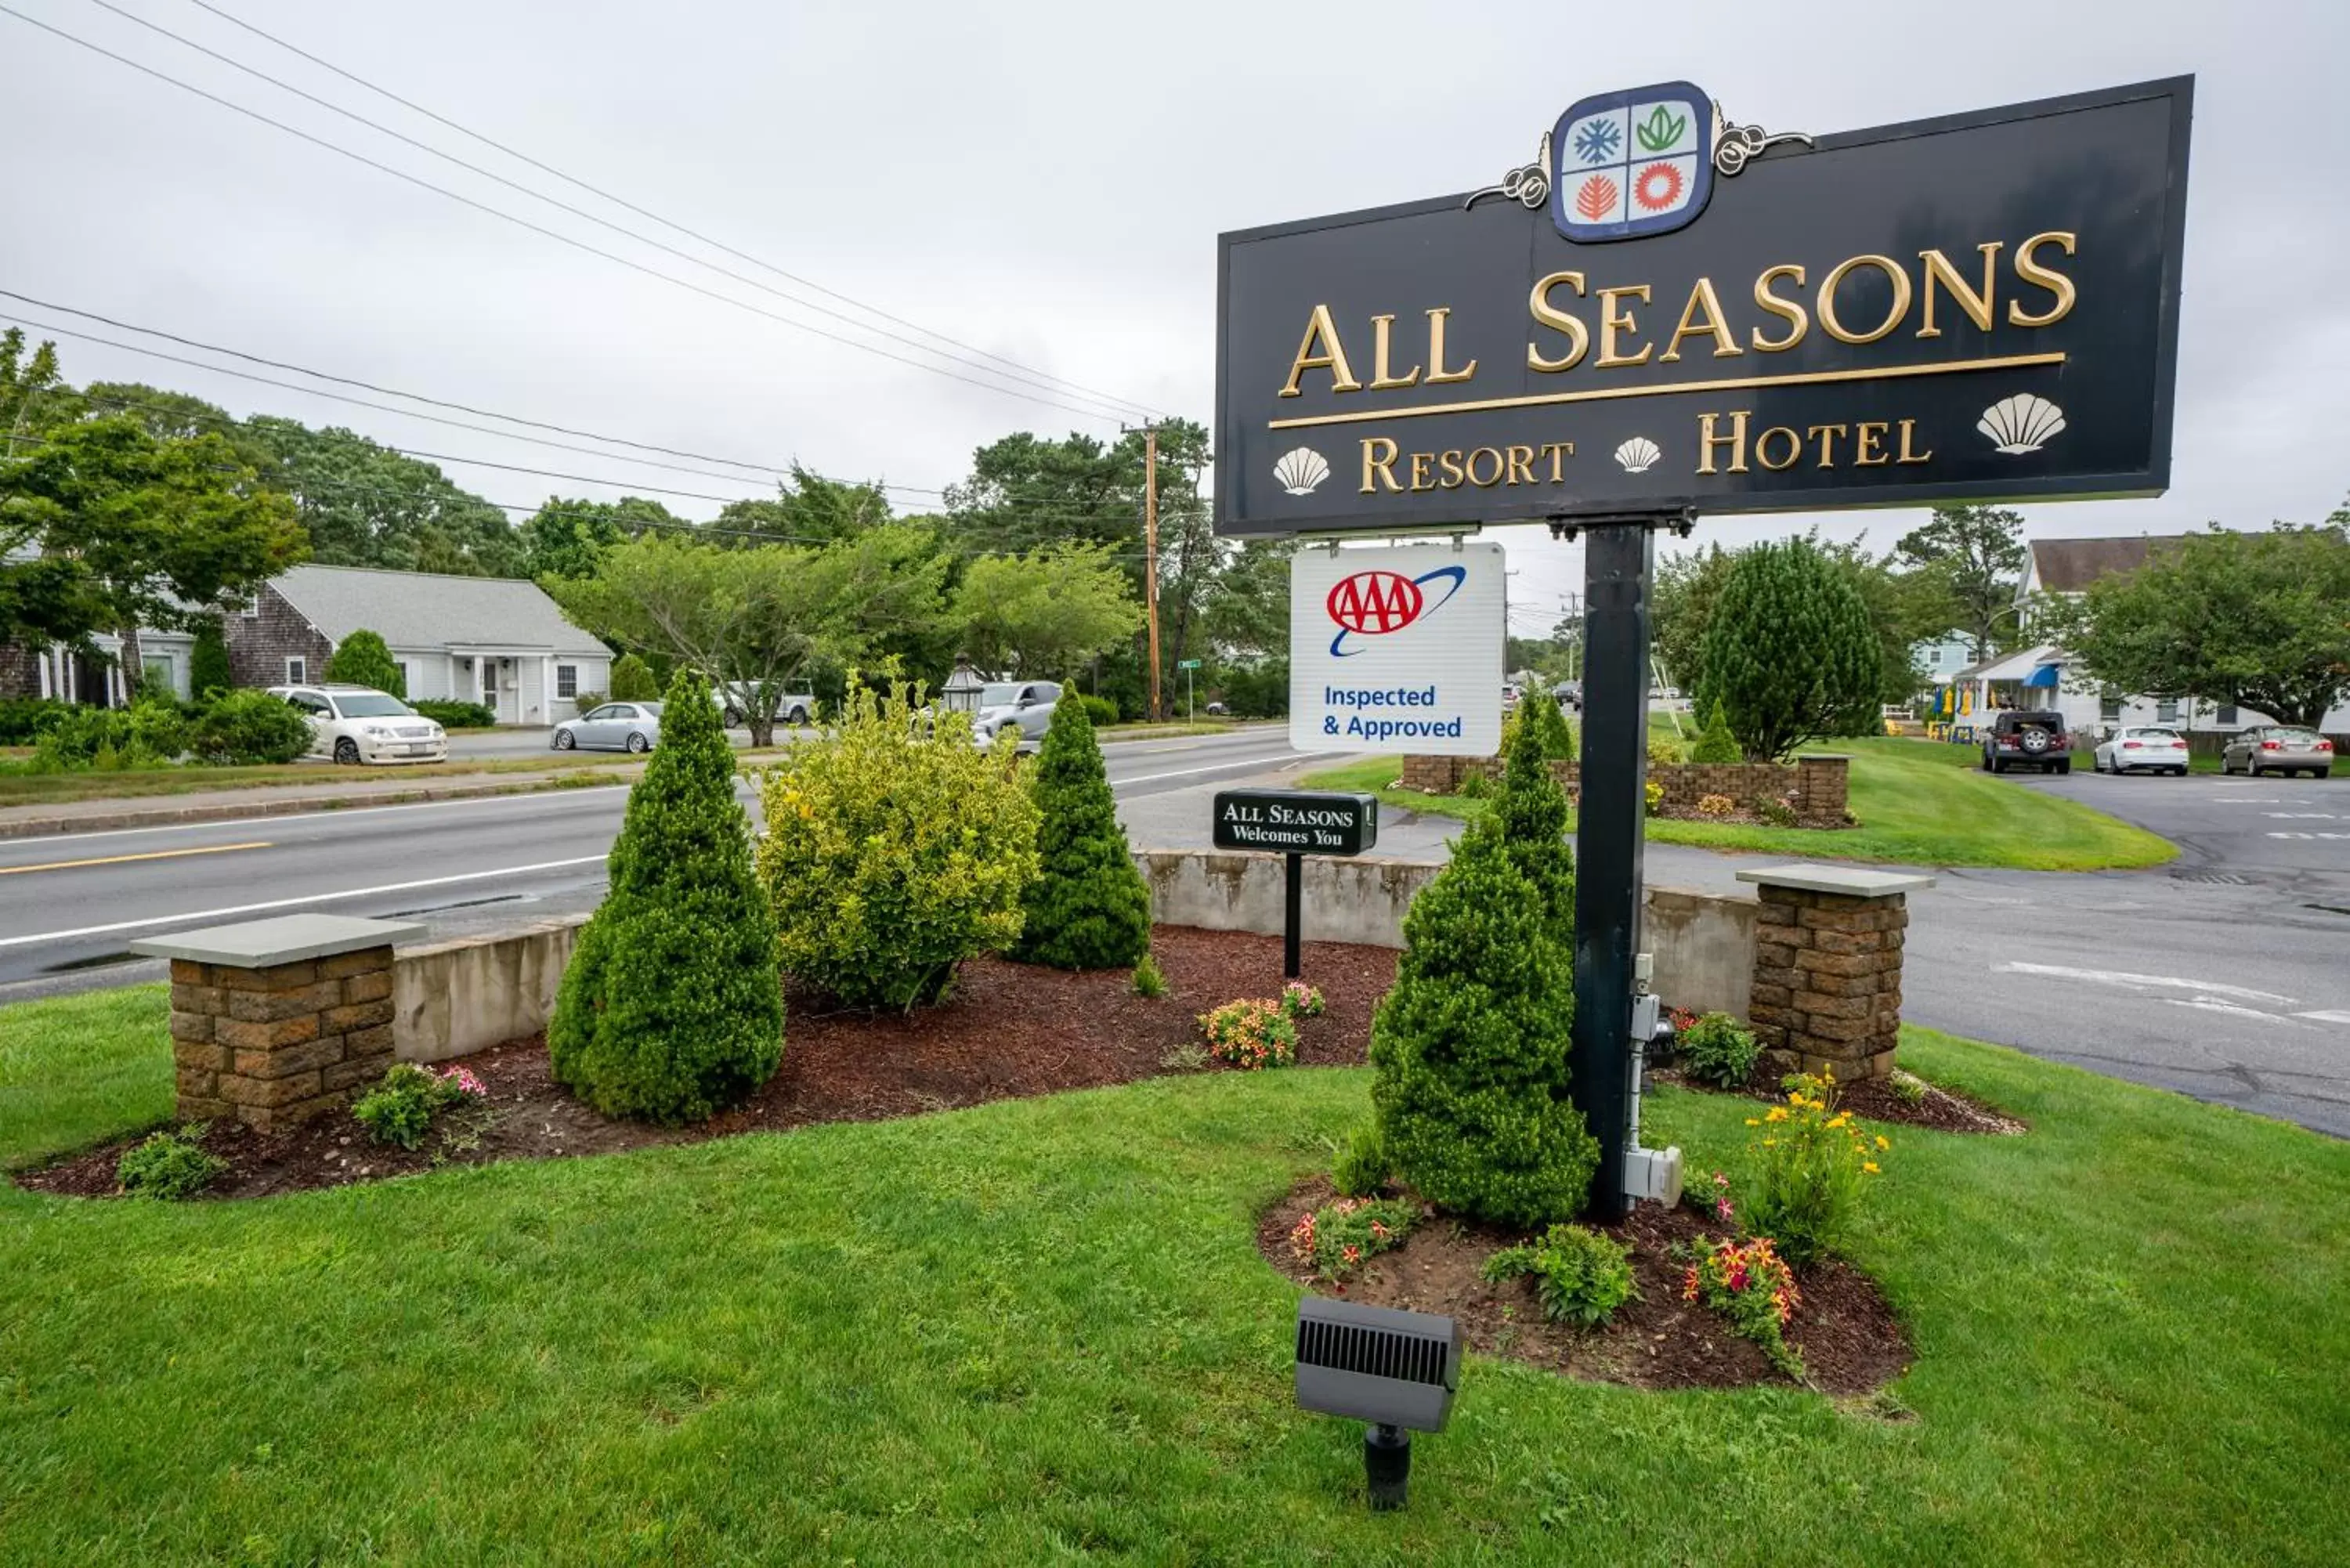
{"type": "Point", "coordinates": [1596, 143]}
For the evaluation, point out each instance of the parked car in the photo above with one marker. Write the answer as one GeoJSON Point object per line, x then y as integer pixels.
{"type": "Point", "coordinates": [2027, 737]}
{"type": "Point", "coordinates": [1569, 694]}
{"type": "Point", "coordinates": [360, 724]}
{"type": "Point", "coordinates": [791, 708]}
{"type": "Point", "coordinates": [2279, 749]}
{"type": "Point", "coordinates": [1509, 697]}
{"type": "Point", "coordinates": [2141, 748]}
{"type": "Point", "coordinates": [1023, 707]}
{"type": "Point", "coordinates": [614, 727]}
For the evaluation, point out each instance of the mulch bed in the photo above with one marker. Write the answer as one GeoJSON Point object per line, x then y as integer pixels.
{"type": "Point", "coordinates": [1942, 1110]}
{"type": "Point", "coordinates": [1007, 1030]}
{"type": "Point", "coordinates": [1848, 1338]}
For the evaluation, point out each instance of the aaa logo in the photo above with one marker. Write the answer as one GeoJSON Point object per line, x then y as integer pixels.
{"type": "Point", "coordinates": [1373, 604]}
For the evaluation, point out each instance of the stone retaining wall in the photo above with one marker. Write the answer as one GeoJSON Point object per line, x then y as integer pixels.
{"type": "Point", "coordinates": [1815, 784]}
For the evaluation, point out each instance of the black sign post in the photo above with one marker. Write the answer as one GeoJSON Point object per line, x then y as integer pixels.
{"type": "Point", "coordinates": [1668, 313]}
{"type": "Point", "coordinates": [1295, 824]}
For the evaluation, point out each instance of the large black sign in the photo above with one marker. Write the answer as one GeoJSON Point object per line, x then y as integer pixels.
{"type": "Point", "coordinates": [1296, 821]}
{"type": "Point", "coordinates": [1982, 306]}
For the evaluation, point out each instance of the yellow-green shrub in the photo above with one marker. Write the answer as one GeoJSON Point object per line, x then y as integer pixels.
{"type": "Point", "coordinates": [892, 855]}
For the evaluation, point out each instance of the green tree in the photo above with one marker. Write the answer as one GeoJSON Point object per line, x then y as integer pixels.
{"type": "Point", "coordinates": [208, 663]}
{"type": "Point", "coordinates": [2260, 621]}
{"type": "Point", "coordinates": [671, 1007]}
{"type": "Point", "coordinates": [1045, 611]}
{"type": "Point", "coordinates": [1790, 653]}
{"type": "Point", "coordinates": [1247, 610]}
{"type": "Point", "coordinates": [1682, 608]}
{"type": "Point", "coordinates": [1088, 908]}
{"type": "Point", "coordinates": [810, 509]}
{"type": "Point", "coordinates": [165, 533]}
{"type": "Point", "coordinates": [632, 680]}
{"type": "Point", "coordinates": [1469, 1049]}
{"type": "Point", "coordinates": [364, 504]}
{"type": "Point", "coordinates": [33, 394]}
{"type": "Point", "coordinates": [1715, 743]}
{"type": "Point", "coordinates": [567, 538]}
{"type": "Point", "coordinates": [1974, 556]}
{"type": "Point", "coordinates": [362, 659]}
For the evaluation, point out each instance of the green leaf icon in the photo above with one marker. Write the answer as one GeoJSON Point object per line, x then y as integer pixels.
{"type": "Point", "coordinates": [1660, 130]}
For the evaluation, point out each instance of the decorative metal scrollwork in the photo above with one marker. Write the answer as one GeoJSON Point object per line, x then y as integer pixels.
{"type": "Point", "coordinates": [1528, 184]}
{"type": "Point", "coordinates": [1736, 146]}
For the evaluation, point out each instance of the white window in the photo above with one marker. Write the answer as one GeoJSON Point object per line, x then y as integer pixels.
{"type": "Point", "coordinates": [251, 608]}
{"type": "Point", "coordinates": [2165, 710]}
{"type": "Point", "coordinates": [566, 681]}
{"type": "Point", "coordinates": [2109, 711]}
{"type": "Point", "coordinates": [298, 669]}
{"type": "Point", "coordinates": [2227, 715]}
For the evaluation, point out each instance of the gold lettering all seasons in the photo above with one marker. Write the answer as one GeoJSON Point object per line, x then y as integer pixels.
{"type": "Point", "coordinates": [1926, 299]}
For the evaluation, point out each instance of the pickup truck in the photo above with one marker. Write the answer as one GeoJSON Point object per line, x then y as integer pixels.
{"type": "Point", "coordinates": [791, 708]}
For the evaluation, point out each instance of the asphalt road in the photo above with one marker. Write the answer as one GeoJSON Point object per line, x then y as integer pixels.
{"type": "Point", "coordinates": [69, 905]}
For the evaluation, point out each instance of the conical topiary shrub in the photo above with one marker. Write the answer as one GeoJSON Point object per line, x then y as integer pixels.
{"type": "Point", "coordinates": [1715, 743]}
{"type": "Point", "coordinates": [1469, 1049]}
{"type": "Point", "coordinates": [1089, 908]}
{"type": "Point", "coordinates": [673, 1006]}
{"type": "Point", "coordinates": [1529, 811]}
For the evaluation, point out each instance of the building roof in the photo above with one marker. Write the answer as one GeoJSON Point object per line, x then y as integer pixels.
{"type": "Point", "coordinates": [2070, 565]}
{"type": "Point", "coordinates": [418, 610]}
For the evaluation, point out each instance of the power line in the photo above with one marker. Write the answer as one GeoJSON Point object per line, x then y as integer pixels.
{"type": "Point", "coordinates": [540, 229]}
{"type": "Point", "coordinates": [645, 213]}
{"type": "Point", "coordinates": [1117, 407]}
{"type": "Point", "coordinates": [771, 474]}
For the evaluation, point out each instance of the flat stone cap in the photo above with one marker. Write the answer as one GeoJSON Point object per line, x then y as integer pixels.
{"type": "Point", "coordinates": [287, 938]}
{"type": "Point", "coordinates": [1851, 882]}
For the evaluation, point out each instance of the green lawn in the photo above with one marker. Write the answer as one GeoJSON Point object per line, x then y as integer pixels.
{"type": "Point", "coordinates": [1038, 1332]}
{"type": "Point", "coordinates": [1919, 804]}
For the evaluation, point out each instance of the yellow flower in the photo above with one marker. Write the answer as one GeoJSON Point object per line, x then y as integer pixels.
{"type": "Point", "coordinates": [1752, 1123]}
{"type": "Point", "coordinates": [1882, 1142]}
{"type": "Point", "coordinates": [1778, 1113]}
{"type": "Point", "coordinates": [1770, 1143]}
{"type": "Point", "coordinates": [1841, 1117]}
{"type": "Point", "coordinates": [1870, 1167]}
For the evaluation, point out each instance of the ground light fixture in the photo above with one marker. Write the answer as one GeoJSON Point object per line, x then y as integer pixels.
{"type": "Point", "coordinates": [1396, 1370]}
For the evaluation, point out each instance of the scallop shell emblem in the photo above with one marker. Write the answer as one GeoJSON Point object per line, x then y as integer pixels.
{"type": "Point", "coordinates": [1638, 455]}
{"type": "Point", "coordinates": [1301, 471]}
{"type": "Point", "coordinates": [2021, 424]}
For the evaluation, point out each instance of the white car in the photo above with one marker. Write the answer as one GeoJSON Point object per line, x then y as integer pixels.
{"type": "Point", "coordinates": [614, 727]}
{"type": "Point", "coordinates": [362, 724]}
{"type": "Point", "coordinates": [2142, 748]}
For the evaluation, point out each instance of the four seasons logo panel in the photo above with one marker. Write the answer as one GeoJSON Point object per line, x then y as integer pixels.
{"type": "Point", "coordinates": [1633, 164]}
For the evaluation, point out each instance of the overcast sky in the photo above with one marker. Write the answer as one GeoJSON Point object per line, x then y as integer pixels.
{"type": "Point", "coordinates": [1044, 182]}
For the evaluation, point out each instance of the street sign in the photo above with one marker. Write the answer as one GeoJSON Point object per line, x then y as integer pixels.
{"type": "Point", "coordinates": [1398, 650]}
{"type": "Point", "coordinates": [1668, 312]}
{"type": "Point", "coordinates": [1187, 664]}
{"type": "Point", "coordinates": [1296, 821]}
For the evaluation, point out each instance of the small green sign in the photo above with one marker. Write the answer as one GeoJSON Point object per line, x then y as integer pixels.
{"type": "Point", "coordinates": [1188, 664]}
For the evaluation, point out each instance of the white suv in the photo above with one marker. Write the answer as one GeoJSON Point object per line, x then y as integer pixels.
{"type": "Point", "coordinates": [362, 724]}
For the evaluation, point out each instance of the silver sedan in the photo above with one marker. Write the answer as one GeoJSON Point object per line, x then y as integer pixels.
{"type": "Point", "coordinates": [2279, 749]}
{"type": "Point", "coordinates": [2142, 749]}
{"type": "Point", "coordinates": [614, 727]}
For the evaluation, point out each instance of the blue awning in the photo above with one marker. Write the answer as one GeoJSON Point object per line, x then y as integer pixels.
{"type": "Point", "coordinates": [2044, 675]}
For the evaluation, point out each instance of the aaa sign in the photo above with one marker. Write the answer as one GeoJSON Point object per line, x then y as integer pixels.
{"type": "Point", "coordinates": [1397, 650]}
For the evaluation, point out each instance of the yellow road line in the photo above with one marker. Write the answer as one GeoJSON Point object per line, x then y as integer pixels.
{"type": "Point", "coordinates": [118, 860]}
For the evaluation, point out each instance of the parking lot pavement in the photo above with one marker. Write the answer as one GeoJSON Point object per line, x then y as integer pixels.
{"type": "Point", "coordinates": [2280, 832]}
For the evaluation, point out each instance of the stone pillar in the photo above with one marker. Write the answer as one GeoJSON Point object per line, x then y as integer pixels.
{"type": "Point", "coordinates": [1822, 781]}
{"type": "Point", "coordinates": [275, 1021]}
{"type": "Point", "coordinates": [1827, 967]}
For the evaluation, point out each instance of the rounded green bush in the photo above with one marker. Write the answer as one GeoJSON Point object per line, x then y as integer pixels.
{"type": "Point", "coordinates": [246, 729]}
{"type": "Point", "coordinates": [1088, 908]}
{"type": "Point", "coordinates": [672, 1008]}
{"type": "Point", "coordinates": [633, 680]}
{"type": "Point", "coordinates": [363, 658]}
{"type": "Point", "coordinates": [170, 1165]}
{"type": "Point", "coordinates": [1717, 1050]}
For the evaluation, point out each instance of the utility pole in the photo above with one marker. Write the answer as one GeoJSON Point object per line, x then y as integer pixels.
{"type": "Point", "coordinates": [1150, 556]}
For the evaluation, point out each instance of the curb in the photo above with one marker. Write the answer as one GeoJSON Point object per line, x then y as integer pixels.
{"type": "Point", "coordinates": [169, 816]}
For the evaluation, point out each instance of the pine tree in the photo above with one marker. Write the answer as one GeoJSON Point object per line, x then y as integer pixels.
{"type": "Point", "coordinates": [1559, 742]}
{"type": "Point", "coordinates": [208, 665]}
{"type": "Point", "coordinates": [632, 680]}
{"type": "Point", "coordinates": [1715, 743]}
{"type": "Point", "coordinates": [1790, 653]}
{"type": "Point", "coordinates": [672, 1007]}
{"type": "Point", "coordinates": [1089, 909]}
{"type": "Point", "coordinates": [1469, 1049]}
{"type": "Point", "coordinates": [363, 660]}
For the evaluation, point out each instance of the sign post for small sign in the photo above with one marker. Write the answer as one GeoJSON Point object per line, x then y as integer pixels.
{"type": "Point", "coordinates": [1668, 313]}
{"type": "Point", "coordinates": [1295, 824]}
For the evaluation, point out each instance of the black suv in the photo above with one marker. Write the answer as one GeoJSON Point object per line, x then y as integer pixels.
{"type": "Point", "coordinates": [2022, 738]}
